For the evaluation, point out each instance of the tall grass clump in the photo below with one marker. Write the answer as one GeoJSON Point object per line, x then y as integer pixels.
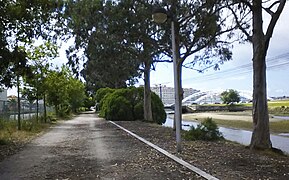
{"type": "Point", "coordinates": [207, 131]}
{"type": "Point", "coordinates": [29, 128]}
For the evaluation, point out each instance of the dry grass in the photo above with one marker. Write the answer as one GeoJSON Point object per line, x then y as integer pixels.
{"type": "Point", "coordinates": [275, 127]}
{"type": "Point", "coordinates": [9, 132]}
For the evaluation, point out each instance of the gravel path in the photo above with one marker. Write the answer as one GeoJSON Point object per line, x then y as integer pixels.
{"type": "Point", "coordinates": [88, 147]}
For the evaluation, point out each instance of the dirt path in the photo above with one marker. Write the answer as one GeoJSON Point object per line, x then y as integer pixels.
{"type": "Point", "coordinates": [89, 148]}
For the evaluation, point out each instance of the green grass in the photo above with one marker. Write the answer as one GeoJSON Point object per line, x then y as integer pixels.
{"type": "Point", "coordinates": [275, 127]}
{"type": "Point", "coordinates": [29, 128]}
{"type": "Point", "coordinates": [270, 104]}
{"type": "Point", "coordinates": [278, 103]}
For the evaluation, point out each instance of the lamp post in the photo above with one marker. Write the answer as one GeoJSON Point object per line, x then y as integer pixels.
{"type": "Point", "coordinates": [160, 15]}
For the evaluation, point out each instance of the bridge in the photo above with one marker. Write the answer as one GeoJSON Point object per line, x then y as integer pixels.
{"type": "Point", "coordinates": [204, 97]}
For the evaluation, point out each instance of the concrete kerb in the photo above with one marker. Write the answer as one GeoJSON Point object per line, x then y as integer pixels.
{"type": "Point", "coordinates": [166, 153]}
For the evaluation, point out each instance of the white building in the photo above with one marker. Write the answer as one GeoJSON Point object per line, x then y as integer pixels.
{"type": "Point", "coordinates": [167, 94]}
{"type": "Point", "coordinates": [3, 95]}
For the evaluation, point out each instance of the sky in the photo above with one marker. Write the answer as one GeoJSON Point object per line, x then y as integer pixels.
{"type": "Point", "coordinates": [235, 74]}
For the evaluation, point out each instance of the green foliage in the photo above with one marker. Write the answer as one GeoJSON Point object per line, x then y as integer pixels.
{"type": "Point", "coordinates": [230, 96]}
{"type": "Point", "coordinates": [100, 93]}
{"type": "Point", "coordinates": [9, 132]}
{"type": "Point", "coordinates": [281, 110]}
{"type": "Point", "coordinates": [159, 114]}
{"type": "Point", "coordinates": [207, 131]}
{"type": "Point", "coordinates": [89, 102]}
{"type": "Point", "coordinates": [76, 92]}
{"type": "Point", "coordinates": [64, 92]}
{"type": "Point", "coordinates": [118, 108]}
{"type": "Point", "coordinates": [127, 104]}
{"type": "Point", "coordinates": [21, 21]}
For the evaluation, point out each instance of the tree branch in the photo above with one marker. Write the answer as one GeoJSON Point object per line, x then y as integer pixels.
{"type": "Point", "coordinates": [274, 19]}
{"type": "Point", "coordinates": [268, 10]}
{"type": "Point", "coordinates": [249, 37]}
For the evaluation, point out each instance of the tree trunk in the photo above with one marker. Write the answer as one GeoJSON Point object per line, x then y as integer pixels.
{"type": "Point", "coordinates": [18, 103]}
{"type": "Point", "coordinates": [44, 106]}
{"type": "Point", "coordinates": [148, 116]}
{"type": "Point", "coordinates": [261, 133]}
{"type": "Point", "coordinates": [37, 108]}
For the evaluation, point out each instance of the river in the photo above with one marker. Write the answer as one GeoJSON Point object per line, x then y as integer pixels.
{"type": "Point", "coordinates": [239, 135]}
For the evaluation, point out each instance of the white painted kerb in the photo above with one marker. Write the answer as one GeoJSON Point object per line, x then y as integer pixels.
{"type": "Point", "coordinates": [175, 158]}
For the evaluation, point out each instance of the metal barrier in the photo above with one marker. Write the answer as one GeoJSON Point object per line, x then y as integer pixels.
{"type": "Point", "coordinates": [9, 109]}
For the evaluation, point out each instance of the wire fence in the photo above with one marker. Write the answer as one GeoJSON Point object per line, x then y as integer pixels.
{"type": "Point", "coordinates": [9, 110]}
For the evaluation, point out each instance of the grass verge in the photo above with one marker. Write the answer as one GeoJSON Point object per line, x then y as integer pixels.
{"type": "Point", "coordinates": [275, 127]}
{"type": "Point", "coordinates": [29, 129]}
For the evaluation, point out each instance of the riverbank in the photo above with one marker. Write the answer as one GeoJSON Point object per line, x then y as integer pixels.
{"type": "Point", "coordinates": [240, 120]}
{"type": "Point", "coordinates": [223, 159]}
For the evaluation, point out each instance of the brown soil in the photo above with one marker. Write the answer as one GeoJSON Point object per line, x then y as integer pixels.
{"type": "Point", "coordinates": [222, 159]}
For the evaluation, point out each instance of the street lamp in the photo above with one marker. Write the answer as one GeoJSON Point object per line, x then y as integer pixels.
{"type": "Point", "coordinates": [160, 15]}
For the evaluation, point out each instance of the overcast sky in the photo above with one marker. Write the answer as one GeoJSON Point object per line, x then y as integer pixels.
{"type": "Point", "coordinates": [235, 74]}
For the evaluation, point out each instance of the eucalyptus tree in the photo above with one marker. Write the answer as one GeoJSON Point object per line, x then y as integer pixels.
{"type": "Point", "coordinates": [249, 16]}
{"type": "Point", "coordinates": [20, 22]}
{"type": "Point", "coordinates": [106, 61]}
{"type": "Point", "coordinates": [117, 41]}
{"type": "Point", "coordinates": [202, 36]}
{"type": "Point", "coordinates": [142, 36]}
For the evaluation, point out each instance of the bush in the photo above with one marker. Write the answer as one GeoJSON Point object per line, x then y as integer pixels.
{"type": "Point", "coordinates": [280, 110]}
{"type": "Point", "coordinates": [118, 108]}
{"type": "Point", "coordinates": [207, 131]}
{"type": "Point", "coordinates": [100, 93]}
{"type": "Point", "coordinates": [127, 104]}
{"type": "Point", "coordinates": [158, 109]}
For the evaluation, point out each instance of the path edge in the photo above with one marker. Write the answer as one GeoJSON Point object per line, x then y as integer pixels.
{"type": "Point", "coordinates": [166, 153]}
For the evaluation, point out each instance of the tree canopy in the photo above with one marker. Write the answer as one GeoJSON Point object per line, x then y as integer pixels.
{"type": "Point", "coordinates": [64, 92]}
{"type": "Point", "coordinates": [20, 22]}
{"type": "Point", "coordinates": [230, 96]}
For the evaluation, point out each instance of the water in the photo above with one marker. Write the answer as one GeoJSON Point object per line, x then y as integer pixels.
{"type": "Point", "coordinates": [239, 135]}
{"type": "Point", "coordinates": [281, 117]}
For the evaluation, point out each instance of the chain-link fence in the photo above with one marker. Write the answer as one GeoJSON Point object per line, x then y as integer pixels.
{"type": "Point", "coordinates": [9, 109]}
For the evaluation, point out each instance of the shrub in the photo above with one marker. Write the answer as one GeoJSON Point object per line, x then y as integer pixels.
{"type": "Point", "coordinates": [279, 110]}
{"type": "Point", "coordinates": [100, 93]}
{"type": "Point", "coordinates": [118, 108]}
{"type": "Point", "coordinates": [207, 131]}
{"type": "Point", "coordinates": [159, 113]}
{"type": "Point", "coordinates": [127, 104]}
{"type": "Point", "coordinates": [138, 111]}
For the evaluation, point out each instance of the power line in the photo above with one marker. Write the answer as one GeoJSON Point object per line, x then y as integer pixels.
{"type": "Point", "coordinates": [272, 63]}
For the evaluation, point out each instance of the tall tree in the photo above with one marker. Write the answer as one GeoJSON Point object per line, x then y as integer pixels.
{"type": "Point", "coordinates": [38, 59]}
{"type": "Point", "coordinates": [230, 96]}
{"type": "Point", "coordinates": [121, 40]}
{"type": "Point", "coordinates": [143, 40]}
{"type": "Point", "coordinates": [260, 36]}
{"type": "Point", "coordinates": [107, 61]}
{"type": "Point", "coordinates": [64, 92]}
{"type": "Point", "coordinates": [20, 22]}
{"type": "Point", "coordinates": [201, 33]}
